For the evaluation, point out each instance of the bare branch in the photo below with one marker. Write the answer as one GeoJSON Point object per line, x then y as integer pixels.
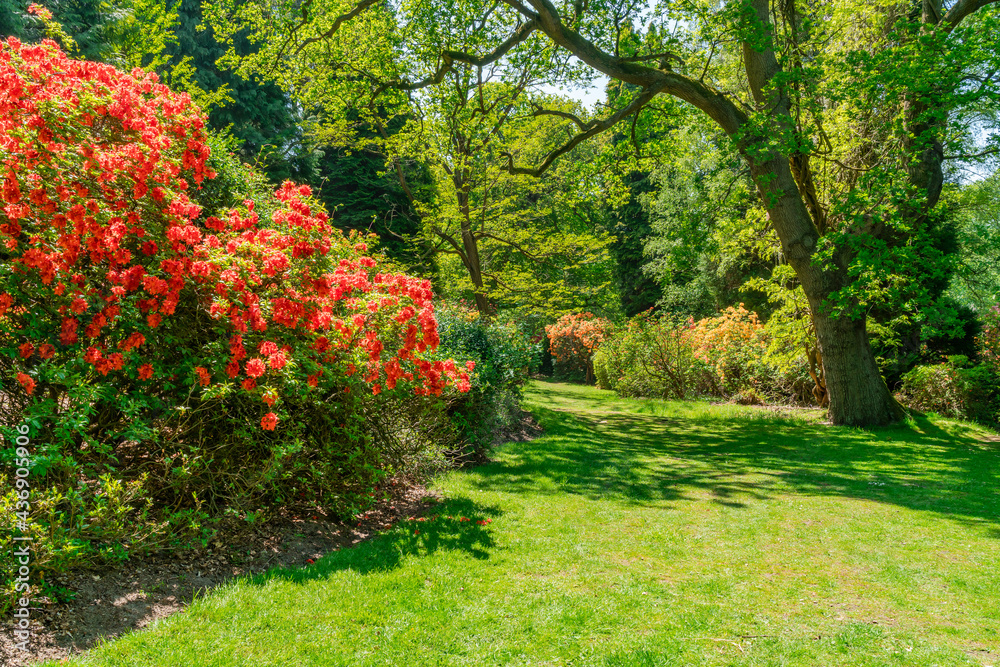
{"type": "Point", "coordinates": [972, 156]}
{"type": "Point", "coordinates": [592, 128]}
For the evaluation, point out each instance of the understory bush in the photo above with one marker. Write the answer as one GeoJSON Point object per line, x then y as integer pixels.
{"type": "Point", "coordinates": [954, 388]}
{"type": "Point", "coordinates": [724, 356]}
{"type": "Point", "coordinates": [958, 387]}
{"type": "Point", "coordinates": [503, 355]}
{"type": "Point", "coordinates": [179, 341]}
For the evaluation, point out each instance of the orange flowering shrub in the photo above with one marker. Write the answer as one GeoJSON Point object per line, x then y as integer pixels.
{"type": "Point", "coordinates": [573, 340]}
{"type": "Point", "coordinates": [731, 345]}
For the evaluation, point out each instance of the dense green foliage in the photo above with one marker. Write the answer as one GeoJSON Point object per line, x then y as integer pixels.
{"type": "Point", "coordinates": [958, 386]}
{"type": "Point", "coordinates": [503, 356]}
{"type": "Point", "coordinates": [953, 388]}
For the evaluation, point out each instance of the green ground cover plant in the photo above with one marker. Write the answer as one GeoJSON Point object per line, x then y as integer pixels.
{"type": "Point", "coordinates": [643, 532]}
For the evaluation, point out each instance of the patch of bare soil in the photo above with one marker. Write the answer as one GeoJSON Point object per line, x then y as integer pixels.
{"type": "Point", "coordinates": [523, 430]}
{"type": "Point", "coordinates": [138, 592]}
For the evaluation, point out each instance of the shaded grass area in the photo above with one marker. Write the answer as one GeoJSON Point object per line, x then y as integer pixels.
{"type": "Point", "coordinates": [647, 533]}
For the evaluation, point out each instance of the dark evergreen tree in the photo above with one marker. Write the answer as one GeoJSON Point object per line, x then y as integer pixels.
{"type": "Point", "coordinates": [354, 187]}
{"type": "Point", "coordinates": [260, 115]}
{"type": "Point", "coordinates": [12, 18]}
{"type": "Point", "coordinates": [639, 291]}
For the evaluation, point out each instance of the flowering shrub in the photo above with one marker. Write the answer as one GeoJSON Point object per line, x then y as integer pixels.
{"type": "Point", "coordinates": [232, 352]}
{"type": "Point", "coordinates": [573, 340]}
{"type": "Point", "coordinates": [102, 243]}
{"type": "Point", "coordinates": [732, 347]}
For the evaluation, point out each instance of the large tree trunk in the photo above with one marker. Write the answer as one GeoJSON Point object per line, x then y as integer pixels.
{"type": "Point", "coordinates": [858, 393]}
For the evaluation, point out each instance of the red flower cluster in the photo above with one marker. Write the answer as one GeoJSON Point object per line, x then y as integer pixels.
{"type": "Point", "coordinates": [95, 166]}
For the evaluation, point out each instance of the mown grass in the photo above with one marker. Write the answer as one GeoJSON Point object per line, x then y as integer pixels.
{"type": "Point", "coordinates": [642, 533]}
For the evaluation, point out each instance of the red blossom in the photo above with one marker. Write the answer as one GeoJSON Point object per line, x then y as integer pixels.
{"type": "Point", "coordinates": [26, 382]}
{"type": "Point", "coordinates": [277, 360]}
{"type": "Point", "coordinates": [269, 421]}
{"type": "Point", "coordinates": [255, 367]}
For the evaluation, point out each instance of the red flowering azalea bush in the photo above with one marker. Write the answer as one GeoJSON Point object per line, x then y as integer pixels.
{"type": "Point", "coordinates": [572, 340]}
{"type": "Point", "coordinates": [150, 329]}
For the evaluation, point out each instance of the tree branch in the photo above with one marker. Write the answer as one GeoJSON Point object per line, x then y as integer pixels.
{"type": "Point", "coordinates": [516, 246]}
{"type": "Point", "coordinates": [718, 107]}
{"type": "Point", "coordinates": [972, 156]}
{"type": "Point", "coordinates": [961, 9]}
{"type": "Point", "coordinates": [329, 32]}
{"type": "Point", "coordinates": [454, 244]}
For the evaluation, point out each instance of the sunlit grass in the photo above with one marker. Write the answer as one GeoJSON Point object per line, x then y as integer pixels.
{"type": "Point", "coordinates": [648, 533]}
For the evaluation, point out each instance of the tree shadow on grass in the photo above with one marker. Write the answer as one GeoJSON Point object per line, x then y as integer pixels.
{"type": "Point", "coordinates": [457, 524]}
{"type": "Point", "coordinates": [732, 460]}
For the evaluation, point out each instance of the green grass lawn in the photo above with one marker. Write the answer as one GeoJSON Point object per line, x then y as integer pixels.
{"type": "Point", "coordinates": [647, 533]}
